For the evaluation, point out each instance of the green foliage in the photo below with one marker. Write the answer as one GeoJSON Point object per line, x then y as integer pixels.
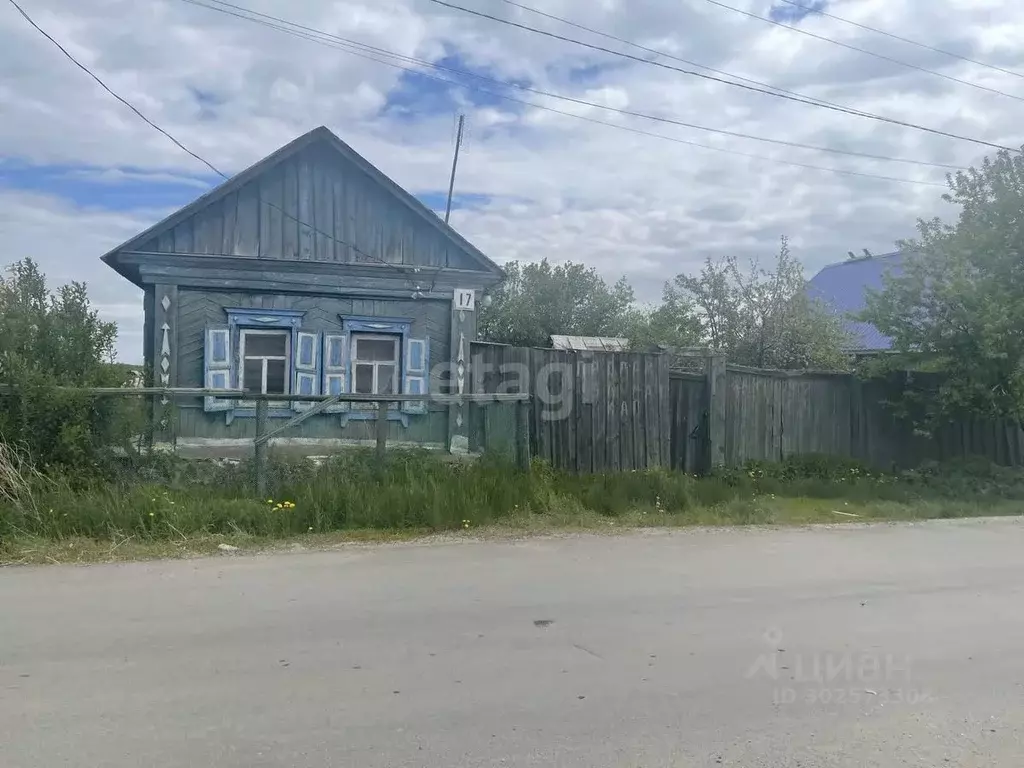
{"type": "Point", "coordinates": [758, 317]}
{"type": "Point", "coordinates": [539, 299]}
{"type": "Point", "coordinates": [49, 339]}
{"type": "Point", "coordinates": [171, 499]}
{"type": "Point", "coordinates": [673, 323]}
{"type": "Point", "coordinates": [958, 307]}
{"type": "Point", "coordinates": [763, 317]}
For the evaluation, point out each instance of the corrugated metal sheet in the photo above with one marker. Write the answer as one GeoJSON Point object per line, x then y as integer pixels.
{"type": "Point", "coordinates": [590, 343]}
{"type": "Point", "coordinates": [842, 288]}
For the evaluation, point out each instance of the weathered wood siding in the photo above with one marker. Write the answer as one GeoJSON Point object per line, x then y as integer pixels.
{"type": "Point", "coordinates": [199, 309]}
{"type": "Point", "coordinates": [313, 206]}
{"type": "Point", "coordinates": [590, 411]}
{"type": "Point", "coordinates": [772, 415]}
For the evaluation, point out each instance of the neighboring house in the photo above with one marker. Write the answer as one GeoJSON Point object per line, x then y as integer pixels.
{"type": "Point", "coordinates": [843, 287]}
{"type": "Point", "coordinates": [311, 272]}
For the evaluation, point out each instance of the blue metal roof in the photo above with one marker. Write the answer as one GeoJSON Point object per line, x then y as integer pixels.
{"type": "Point", "coordinates": [842, 288]}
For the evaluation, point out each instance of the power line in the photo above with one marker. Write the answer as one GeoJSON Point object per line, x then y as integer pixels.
{"type": "Point", "coordinates": [181, 146]}
{"type": "Point", "coordinates": [106, 88]}
{"type": "Point", "coordinates": [866, 51]}
{"type": "Point", "coordinates": [342, 43]}
{"type": "Point", "coordinates": [901, 39]}
{"type": "Point", "coordinates": [665, 54]}
{"type": "Point", "coordinates": [662, 65]}
{"type": "Point", "coordinates": [363, 51]}
{"type": "Point", "coordinates": [347, 47]}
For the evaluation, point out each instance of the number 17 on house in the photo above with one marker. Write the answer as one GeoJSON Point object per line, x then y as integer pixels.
{"type": "Point", "coordinates": [465, 299]}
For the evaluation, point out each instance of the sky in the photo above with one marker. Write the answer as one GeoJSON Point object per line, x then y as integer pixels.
{"type": "Point", "coordinates": [80, 173]}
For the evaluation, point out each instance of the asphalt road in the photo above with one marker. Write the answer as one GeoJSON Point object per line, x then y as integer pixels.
{"type": "Point", "coordinates": [853, 646]}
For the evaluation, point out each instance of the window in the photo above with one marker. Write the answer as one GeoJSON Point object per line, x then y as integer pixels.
{"type": "Point", "coordinates": [265, 361]}
{"type": "Point", "coordinates": [375, 363]}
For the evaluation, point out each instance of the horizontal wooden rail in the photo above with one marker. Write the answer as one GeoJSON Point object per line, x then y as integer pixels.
{"type": "Point", "coordinates": [238, 394]}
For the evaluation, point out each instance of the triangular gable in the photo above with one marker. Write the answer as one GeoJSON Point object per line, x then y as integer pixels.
{"type": "Point", "coordinates": [327, 138]}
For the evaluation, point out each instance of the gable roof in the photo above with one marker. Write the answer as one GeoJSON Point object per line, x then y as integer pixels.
{"type": "Point", "coordinates": [842, 288]}
{"type": "Point", "coordinates": [323, 135]}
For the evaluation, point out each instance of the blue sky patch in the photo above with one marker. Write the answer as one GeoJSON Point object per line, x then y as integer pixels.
{"type": "Point", "coordinates": [435, 200]}
{"type": "Point", "coordinates": [122, 189]}
{"type": "Point", "coordinates": [586, 74]}
{"type": "Point", "coordinates": [417, 95]}
{"type": "Point", "coordinates": [208, 102]}
{"type": "Point", "coordinates": [787, 13]}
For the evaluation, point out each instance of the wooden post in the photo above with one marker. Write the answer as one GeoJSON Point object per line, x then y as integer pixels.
{"type": "Point", "coordinates": [523, 434]}
{"type": "Point", "coordinates": [714, 393]}
{"type": "Point", "coordinates": [463, 331]}
{"type": "Point", "coordinates": [164, 349]}
{"type": "Point", "coordinates": [382, 431]}
{"type": "Point", "coordinates": [260, 449]}
{"type": "Point", "coordinates": [858, 435]}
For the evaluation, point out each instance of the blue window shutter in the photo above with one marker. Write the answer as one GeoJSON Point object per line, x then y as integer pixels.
{"type": "Point", "coordinates": [416, 364]}
{"type": "Point", "coordinates": [335, 368]}
{"type": "Point", "coordinates": [217, 367]}
{"type": "Point", "coordinates": [305, 367]}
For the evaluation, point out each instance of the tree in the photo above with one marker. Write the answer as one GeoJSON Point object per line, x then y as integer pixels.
{"type": "Point", "coordinates": [49, 339]}
{"type": "Point", "coordinates": [958, 306]}
{"type": "Point", "coordinates": [538, 299]}
{"type": "Point", "coordinates": [763, 317]}
{"type": "Point", "coordinates": [673, 323]}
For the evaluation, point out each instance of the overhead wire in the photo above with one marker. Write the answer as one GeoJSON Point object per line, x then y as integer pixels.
{"type": "Point", "coordinates": [662, 65]}
{"type": "Point", "coordinates": [371, 52]}
{"type": "Point", "coordinates": [865, 51]}
{"type": "Point", "coordinates": [185, 149]}
{"type": "Point", "coordinates": [876, 30]}
{"type": "Point", "coordinates": [665, 54]}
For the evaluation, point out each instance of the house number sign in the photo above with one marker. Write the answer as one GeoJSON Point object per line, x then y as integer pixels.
{"type": "Point", "coordinates": [465, 299]}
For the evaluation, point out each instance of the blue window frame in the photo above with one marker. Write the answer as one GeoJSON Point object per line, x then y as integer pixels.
{"type": "Point", "coordinates": [225, 359]}
{"type": "Point", "coordinates": [369, 354]}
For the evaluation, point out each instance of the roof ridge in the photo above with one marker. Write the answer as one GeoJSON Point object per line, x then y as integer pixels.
{"type": "Point", "coordinates": [863, 259]}
{"type": "Point", "coordinates": [296, 145]}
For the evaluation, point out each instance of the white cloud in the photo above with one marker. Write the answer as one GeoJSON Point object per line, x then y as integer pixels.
{"type": "Point", "coordinates": [558, 187]}
{"type": "Point", "coordinates": [67, 241]}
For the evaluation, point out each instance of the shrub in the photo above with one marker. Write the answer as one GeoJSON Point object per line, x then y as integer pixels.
{"type": "Point", "coordinates": [49, 339]}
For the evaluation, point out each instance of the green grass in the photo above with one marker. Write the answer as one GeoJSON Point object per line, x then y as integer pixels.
{"type": "Point", "coordinates": [172, 508]}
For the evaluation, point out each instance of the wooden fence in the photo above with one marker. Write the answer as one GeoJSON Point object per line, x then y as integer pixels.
{"type": "Point", "coordinates": [770, 415]}
{"type": "Point", "coordinates": [589, 411]}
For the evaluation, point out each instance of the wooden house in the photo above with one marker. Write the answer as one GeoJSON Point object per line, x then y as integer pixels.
{"type": "Point", "coordinates": [311, 272]}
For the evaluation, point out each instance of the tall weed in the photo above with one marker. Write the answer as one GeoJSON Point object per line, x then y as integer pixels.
{"type": "Point", "coordinates": [167, 498]}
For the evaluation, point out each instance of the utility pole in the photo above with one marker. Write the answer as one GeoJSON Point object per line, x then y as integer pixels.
{"type": "Point", "coordinates": [455, 162]}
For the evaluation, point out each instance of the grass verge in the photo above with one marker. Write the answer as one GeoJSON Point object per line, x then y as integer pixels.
{"type": "Point", "coordinates": [171, 508]}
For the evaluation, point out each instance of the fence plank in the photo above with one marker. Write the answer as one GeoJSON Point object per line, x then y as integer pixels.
{"type": "Point", "coordinates": [651, 420]}
{"type": "Point", "coordinates": [633, 412]}
{"type": "Point", "coordinates": [584, 407]}
{"type": "Point", "coordinates": [664, 412]}
{"type": "Point", "coordinates": [600, 375]}
{"type": "Point", "coordinates": [614, 462]}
